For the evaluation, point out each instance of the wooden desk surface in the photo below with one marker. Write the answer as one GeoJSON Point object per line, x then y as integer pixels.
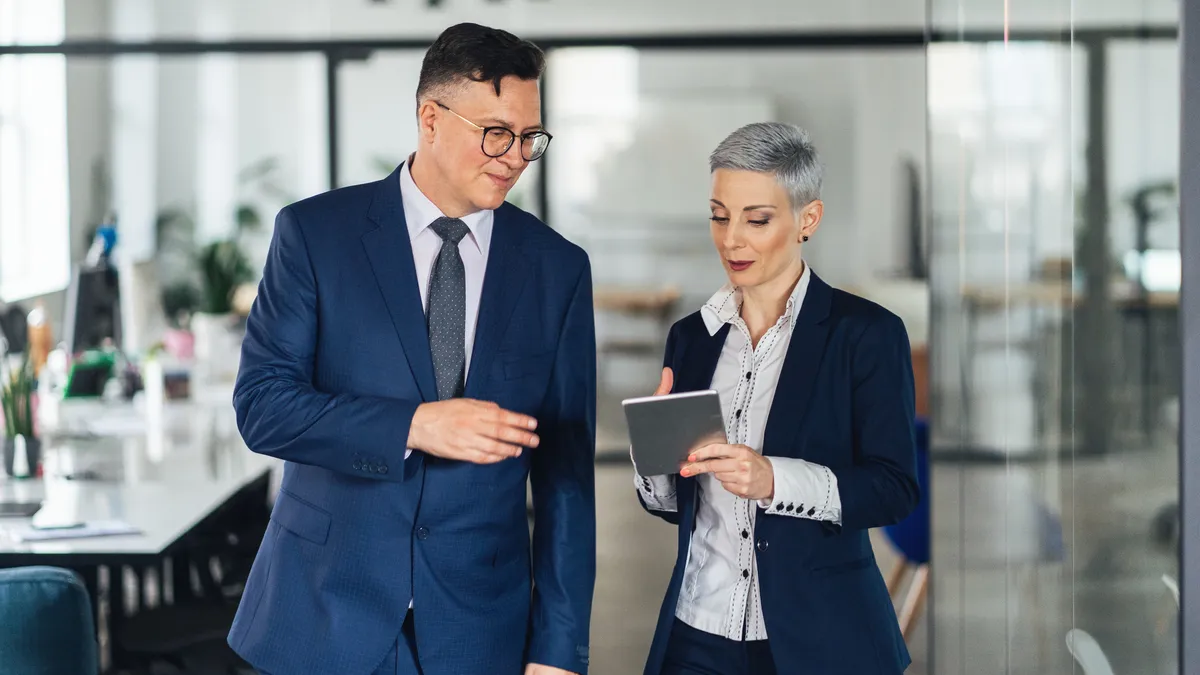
{"type": "Point", "coordinates": [635, 300]}
{"type": "Point", "coordinates": [1057, 294]}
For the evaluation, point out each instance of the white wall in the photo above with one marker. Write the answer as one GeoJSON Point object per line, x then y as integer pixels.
{"type": "Point", "coordinates": [531, 18]}
{"type": "Point", "coordinates": [401, 18]}
{"type": "Point", "coordinates": [990, 14]}
{"type": "Point", "coordinates": [866, 111]}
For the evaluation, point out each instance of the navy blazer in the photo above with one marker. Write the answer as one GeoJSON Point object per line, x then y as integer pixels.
{"type": "Point", "coordinates": [334, 364]}
{"type": "Point", "coordinates": [844, 400]}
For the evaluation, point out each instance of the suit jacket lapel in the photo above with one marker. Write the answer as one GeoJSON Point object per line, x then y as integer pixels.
{"type": "Point", "coordinates": [698, 362]}
{"type": "Point", "coordinates": [503, 280]}
{"type": "Point", "coordinates": [800, 367]}
{"type": "Point", "coordinates": [389, 251]}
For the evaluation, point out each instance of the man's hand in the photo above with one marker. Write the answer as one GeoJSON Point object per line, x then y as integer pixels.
{"type": "Point", "coordinates": [741, 470]}
{"type": "Point", "coordinates": [535, 669]}
{"type": "Point", "coordinates": [470, 431]}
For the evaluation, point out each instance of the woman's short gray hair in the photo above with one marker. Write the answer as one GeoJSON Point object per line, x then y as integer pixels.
{"type": "Point", "coordinates": [782, 150]}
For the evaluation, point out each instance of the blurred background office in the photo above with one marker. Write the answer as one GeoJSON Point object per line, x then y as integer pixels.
{"type": "Point", "coordinates": [1001, 175]}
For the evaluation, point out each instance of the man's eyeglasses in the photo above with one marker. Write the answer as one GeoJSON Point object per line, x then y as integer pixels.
{"type": "Point", "coordinates": [497, 140]}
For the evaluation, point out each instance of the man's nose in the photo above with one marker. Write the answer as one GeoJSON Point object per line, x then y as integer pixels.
{"type": "Point", "coordinates": [512, 158]}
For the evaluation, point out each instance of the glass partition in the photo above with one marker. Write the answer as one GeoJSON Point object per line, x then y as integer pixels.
{"type": "Point", "coordinates": [1054, 302]}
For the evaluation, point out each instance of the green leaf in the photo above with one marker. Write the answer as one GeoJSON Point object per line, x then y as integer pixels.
{"type": "Point", "coordinates": [248, 218]}
{"type": "Point", "coordinates": [16, 400]}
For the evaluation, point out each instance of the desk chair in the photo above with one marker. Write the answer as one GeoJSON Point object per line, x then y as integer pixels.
{"type": "Point", "coordinates": [910, 537]}
{"type": "Point", "coordinates": [48, 625]}
{"type": "Point", "coordinates": [1087, 653]}
{"type": "Point", "coordinates": [1163, 621]}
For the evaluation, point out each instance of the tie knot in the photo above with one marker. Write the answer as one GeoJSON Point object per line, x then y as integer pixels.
{"type": "Point", "coordinates": [450, 229]}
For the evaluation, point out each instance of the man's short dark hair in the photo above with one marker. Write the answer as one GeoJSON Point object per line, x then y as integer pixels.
{"type": "Point", "coordinates": [474, 52]}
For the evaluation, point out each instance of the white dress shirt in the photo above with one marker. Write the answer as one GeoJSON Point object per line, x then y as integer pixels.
{"type": "Point", "coordinates": [720, 592]}
{"type": "Point", "coordinates": [419, 214]}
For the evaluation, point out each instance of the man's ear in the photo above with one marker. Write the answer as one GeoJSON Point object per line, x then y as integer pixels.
{"type": "Point", "coordinates": [427, 114]}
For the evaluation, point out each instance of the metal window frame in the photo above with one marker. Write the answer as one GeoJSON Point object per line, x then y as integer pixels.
{"type": "Point", "coordinates": [1189, 325]}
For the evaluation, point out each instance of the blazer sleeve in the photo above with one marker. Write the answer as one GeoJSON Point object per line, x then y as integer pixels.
{"type": "Point", "coordinates": [881, 488]}
{"type": "Point", "coordinates": [279, 411]}
{"type": "Point", "coordinates": [562, 477]}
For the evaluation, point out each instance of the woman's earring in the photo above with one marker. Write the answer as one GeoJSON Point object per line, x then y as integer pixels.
{"type": "Point", "coordinates": [806, 237]}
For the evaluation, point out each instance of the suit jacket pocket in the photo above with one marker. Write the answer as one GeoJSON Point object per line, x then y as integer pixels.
{"type": "Point", "coordinates": [843, 567]}
{"type": "Point", "coordinates": [301, 518]}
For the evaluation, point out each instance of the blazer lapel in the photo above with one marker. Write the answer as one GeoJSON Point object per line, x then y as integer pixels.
{"type": "Point", "coordinates": [697, 365]}
{"type": "Point", "coordinates": [389, 251]}
{"type": "Point", "coordinates": [800, 368]}
{"type": "Point", "coordinates": [503, 280]}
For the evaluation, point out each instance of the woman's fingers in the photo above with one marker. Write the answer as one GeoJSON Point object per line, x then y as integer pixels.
{"type": "Point", "coordinates": [665, 384]}
{"type": "Point", "coordinates": [720, 465]}
{"type": "Point", "coordinates": [719, 451]}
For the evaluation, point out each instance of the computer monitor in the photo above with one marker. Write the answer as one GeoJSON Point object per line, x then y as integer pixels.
{"type": "Point", "coordinates": [93, 313]}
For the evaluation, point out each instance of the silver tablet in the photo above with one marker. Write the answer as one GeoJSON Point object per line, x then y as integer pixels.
{"type": "Point", "coordinates": [664, 429]}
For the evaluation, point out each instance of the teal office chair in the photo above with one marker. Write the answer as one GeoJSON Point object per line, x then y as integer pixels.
{"type": "Point", "coordinates": [48, 624]}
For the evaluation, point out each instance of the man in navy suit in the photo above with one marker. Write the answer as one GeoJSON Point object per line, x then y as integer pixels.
{"type": "Point", "coordinates": [419, 349]}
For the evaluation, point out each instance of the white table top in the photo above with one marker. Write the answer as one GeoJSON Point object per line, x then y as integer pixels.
{"type": "Point", "coordinates": [163, 484]}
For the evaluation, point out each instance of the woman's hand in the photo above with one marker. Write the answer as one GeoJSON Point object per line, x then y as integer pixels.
{"type": "Point", "coordinates": [742, 471]}
{"type": "Point", "coordinates": [665, 384]}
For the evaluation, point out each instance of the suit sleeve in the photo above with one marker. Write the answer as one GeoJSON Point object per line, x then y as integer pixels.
{"type": "Point", "coordinates": [279, 411]}
{"type": "Point", "coordinates": [881, 487]}
{"type": "Point", "coordinates": [564, 501]}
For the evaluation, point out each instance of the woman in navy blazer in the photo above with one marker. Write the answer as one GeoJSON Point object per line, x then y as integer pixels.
{"type": "Point", "coordinates": [775, 571]}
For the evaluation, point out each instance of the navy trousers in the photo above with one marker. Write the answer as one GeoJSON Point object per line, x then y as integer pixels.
{"type": "Point", "coordinates": [694, 652]}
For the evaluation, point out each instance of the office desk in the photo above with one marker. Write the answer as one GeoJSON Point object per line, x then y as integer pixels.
{"type": "Point", "coordinates": [177, 486]}
{"type": "Point", "coordinates": [163, 482]}
{"type": "Point", "coordinates": [164, 500]}
{"type": "Point", "coordinates": [656, 304]}
{"type": "Point", "coordinates": [1057, 302]}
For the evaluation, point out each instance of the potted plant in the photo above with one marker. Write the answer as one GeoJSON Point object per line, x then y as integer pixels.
{"type": "Point", "coordinates": [204, 282]}
{"type": "Point", "coordinates": [16, 399]}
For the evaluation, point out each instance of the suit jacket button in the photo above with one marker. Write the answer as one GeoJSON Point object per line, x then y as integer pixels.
{"type": "Point", "coordinates": [383, 468]}
{"type": "Point", "coordinates": [422, 533]}
{"type": "Point", "coordinates": [762, 545]}
{"type": "Point", "coordinates": [357, 465]}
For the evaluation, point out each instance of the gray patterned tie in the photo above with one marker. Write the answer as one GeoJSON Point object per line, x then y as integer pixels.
{"type": "Point", "coordinates": [447, 314]}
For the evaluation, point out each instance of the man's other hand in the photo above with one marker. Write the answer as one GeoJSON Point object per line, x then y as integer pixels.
{"type": "Point", "coordinates": [535, 669]}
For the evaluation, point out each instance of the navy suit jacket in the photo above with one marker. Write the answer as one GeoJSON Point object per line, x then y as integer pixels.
{"type": "Point", "coordinates": [845, 400]}
{"type": "Point", "coordinates": [334, 364]}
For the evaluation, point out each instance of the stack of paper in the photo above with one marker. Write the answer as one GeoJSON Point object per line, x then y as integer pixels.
{"type": "Point", "coordinates": [98, 528]}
